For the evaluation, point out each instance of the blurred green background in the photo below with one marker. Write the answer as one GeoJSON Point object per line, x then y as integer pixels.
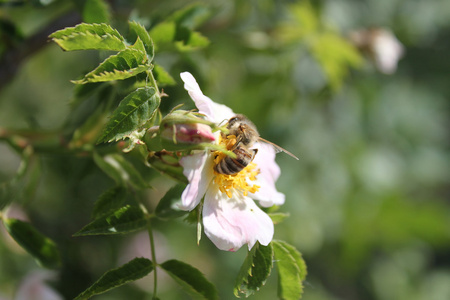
{"type": "Point", "coordinates": [368, 199]}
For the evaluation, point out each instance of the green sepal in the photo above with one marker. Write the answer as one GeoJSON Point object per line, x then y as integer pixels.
{"type": "Point", "coordinates": [167, 163]}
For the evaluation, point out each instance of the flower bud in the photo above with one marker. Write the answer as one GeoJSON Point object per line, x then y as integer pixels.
{"type": "Point", "coordinates": [194, 133]}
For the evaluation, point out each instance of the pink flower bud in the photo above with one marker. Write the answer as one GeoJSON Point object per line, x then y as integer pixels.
{"type": "Point", "coordinates": [193, 133]}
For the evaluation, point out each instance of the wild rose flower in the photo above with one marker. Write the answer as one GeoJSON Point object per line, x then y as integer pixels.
{"type": "Point", "coordinates": [230, 216]}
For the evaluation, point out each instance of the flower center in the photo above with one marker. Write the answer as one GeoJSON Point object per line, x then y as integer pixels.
{"type": "Point", "coordinates": [238, 181]}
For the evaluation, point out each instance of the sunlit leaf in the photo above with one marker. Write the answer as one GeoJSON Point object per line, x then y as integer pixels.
{"type": "Point", "coordinates": [123, 220]}
{"type": "Point", "coordinates": [133, 112]}
{"type": "Point", "coordinates": [165, 208]}
{"type": "Point", "coordinates": [255, 270]}
{"type": "Point", "coordinates": [139, 31]}
{"type": "Point", "coordinates": [190, 279]}
{"type": "Point", "coordinates": [291, 270]}
{"type": "Point", "coordinates": [96, 11]}
{"type": "Point", "coordinates": [89, 36]}
{"type": "Point", "coordinates": [162, 76]}
{"type": "Point", "coordinates": [42, 248]}
{"type": "Point", "coordinates": [125, 64]}
{"type": "Point", "coordinates": [109, 201]}
{"type": "Point", "coordinates": [131, 271]}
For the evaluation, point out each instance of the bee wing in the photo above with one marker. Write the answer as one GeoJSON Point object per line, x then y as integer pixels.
{"type": "Point", "coordinates": [277, 148]}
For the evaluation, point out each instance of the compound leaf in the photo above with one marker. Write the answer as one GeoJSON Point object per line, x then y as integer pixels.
{"type": "Point", "coordinates": [89, 37]}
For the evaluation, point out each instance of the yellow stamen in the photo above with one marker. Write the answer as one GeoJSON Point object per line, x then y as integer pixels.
{"type": "Point", "coordinates": [238, 181]}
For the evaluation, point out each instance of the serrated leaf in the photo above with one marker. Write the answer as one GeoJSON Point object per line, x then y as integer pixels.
{"type": "Point", "coordinates": [125, 64]}
{"type": "Point", "coordinates": [131, 271]}
{"type": "Point", "coordinates": [191, 279]}
{"type": "Point", "coordinates": [42, 248]}
{"type": "Point", "coordinates": [162, 76]}
{"type": "Point", "coordinates": [291, 270]}
{"type": "Point", "coordinates": [109, 201]}
{"type": "Point", "coordinates": [139, 31]}
{"type": "Point", "coordinates": [133, 112]}
{"type": "Point", "coordinates": [123, 220]}
{"type": "Point", "coordinates": [120, 170]}
{"type": "Point", "coordinates": [89, 37]}
{"type": "Point", "coordinates": [255, 270]}
{"type": "Point", "coordinates": [96, 11]}
{"type": "Point", "coordinates": [165, 208]}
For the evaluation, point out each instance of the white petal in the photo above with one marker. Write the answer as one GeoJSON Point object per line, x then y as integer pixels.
{"type": "Point", "coordinates": [198, 169]}
{"type": "Point", "coordinates": [231, 223]}
{"type": "Point", "coordinates": [269, 173]}
{"type": "Point", "coordinates": [214, 112]}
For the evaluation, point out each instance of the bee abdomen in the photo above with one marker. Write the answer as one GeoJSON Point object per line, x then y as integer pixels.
{"type": "Point", "coordinates": [230, 166]}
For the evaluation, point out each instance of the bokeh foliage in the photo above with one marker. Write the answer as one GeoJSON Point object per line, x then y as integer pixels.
{"type": "Point", "coordinates": [368, 200]}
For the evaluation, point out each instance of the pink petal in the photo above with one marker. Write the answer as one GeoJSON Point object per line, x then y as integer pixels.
{"type": "Point", "coordinates": [231, 223]}
{"type": "Point", "coordinates": [269, 173]}
{"type": "Point", "coordinates": [198, 169]}
{"type": "Point", "coordinates": [214, 112]}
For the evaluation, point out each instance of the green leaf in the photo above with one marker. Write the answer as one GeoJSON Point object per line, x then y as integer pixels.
{"type": "Point", "coordinates": [89, 36]}
{"type": "Point", "coordinates": [291, 270]}
{"type": "Point", "coordinates": [191, 16]}
{"type": "Point", "coordinates": [190, 40]}
{"type": "Point", "coordinates": [123, 220]}
{"type": "Point", "coordinates": [125, 64]}
{"type": "Point", "coordinates": [166, 206]}
{"type": "Point", "coordinates": [131, 271]}
{"type": "Point", "coordinates": [109, 201]}
{"type": "Point", "coordinates": [191, 279]}
{"type": "Point", "coordinates": [255, 270]}
{"type": "Point", "coordinates": [139, 31]}
{"type": "Point", "coordinates": [162, 76]}
{"type": "Point", "coordinates": [121, 170]}
{"type": "Point", "coordinates": [278, 217]}
{"type": "Point", "coordinates": [96, 11]}
{"type": "Point", "coordinates": [133, 112]}
{"type": "Point", "coordinates": [42, 248]}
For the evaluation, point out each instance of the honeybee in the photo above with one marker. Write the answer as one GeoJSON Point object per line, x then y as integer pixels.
{"type": "Point", "coordinates": [246, 135]}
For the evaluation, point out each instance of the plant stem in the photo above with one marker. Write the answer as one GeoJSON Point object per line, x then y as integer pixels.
{"type": "Point", "coordinates": [152, 248]}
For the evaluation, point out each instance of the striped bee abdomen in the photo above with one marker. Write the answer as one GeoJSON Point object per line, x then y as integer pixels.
{"type": "Point", "coordinates": [230, 166]}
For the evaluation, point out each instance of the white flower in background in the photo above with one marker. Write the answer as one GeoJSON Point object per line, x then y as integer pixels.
{"type": "Point", "coordinates": [230, 216]}
{"type": "Point", "coordinates": [382, 45]}
{"type": "Point", "coordinates": [34, 287]}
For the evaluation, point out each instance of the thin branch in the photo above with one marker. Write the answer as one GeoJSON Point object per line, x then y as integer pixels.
{"type": "Point", "coordinates": [13, 57]}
